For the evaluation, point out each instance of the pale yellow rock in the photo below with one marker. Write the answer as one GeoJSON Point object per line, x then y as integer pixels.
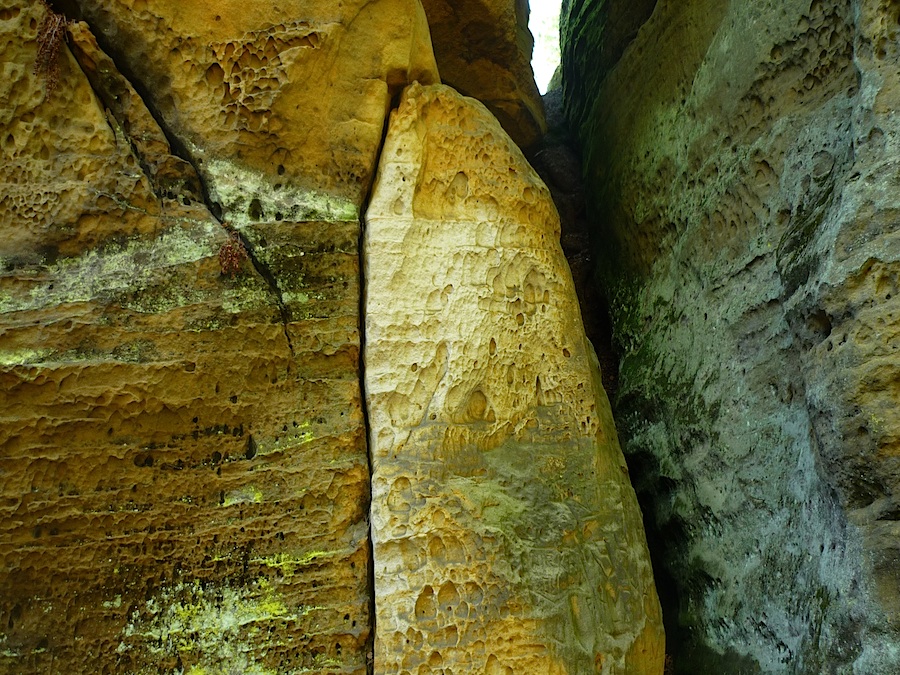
{"type": "Point", "coordinates": [280, 105]}
{"type": "Point", "coordinates": [507, 537]}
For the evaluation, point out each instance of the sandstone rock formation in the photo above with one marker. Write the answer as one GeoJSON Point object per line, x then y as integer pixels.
{"type": "Point", "coordinates": [281, 106]}
{"type": "Point", "coordinates": [506, 535]}
{"type": "Point", "coordinates": [185, 472]}
{"type": "Point", "coordinates": [483, 49]}
{"type": "Point", "coordinates": [185, 477]}
{"type": "Point", "coordinates": [743, 158]}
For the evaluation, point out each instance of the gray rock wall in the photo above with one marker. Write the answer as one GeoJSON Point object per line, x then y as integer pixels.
{"type": "Point", "coordinates": [741, 159]}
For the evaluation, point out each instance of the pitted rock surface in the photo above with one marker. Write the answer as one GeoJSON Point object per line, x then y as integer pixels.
{"type": "Point", "coordinates": [281, 107]}
{"type": "Point", "coordinates": [185, 479]}
{"type": "Point", "coordinates": [742, 159]}
{"type": "Point", "coordinates": [506, 535]}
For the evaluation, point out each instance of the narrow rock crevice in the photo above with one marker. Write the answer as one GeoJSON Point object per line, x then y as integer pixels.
{"type": "Point", "coordinates": [395, 103]}
{"type": "Point", "coordinates": [129, 118]}
{"type": "Point", "coordinates": [272, 282]}
{"type": "Point", "coordinates": [178, 149]}
{"type": "Point", "coordinates": [109, 85]}
{"type": "Point", "coordinates": [370, 643]}
{"type": "Point", "coordinates": [557, 160]}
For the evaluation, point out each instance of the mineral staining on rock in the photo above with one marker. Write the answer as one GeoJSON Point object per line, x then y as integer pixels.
{"type": "Point", "coordinates": [185, 479]}
{"type": "Point", "coordinates": [742, 156]}
{"type": "Point", "coordinates": [507, 538]}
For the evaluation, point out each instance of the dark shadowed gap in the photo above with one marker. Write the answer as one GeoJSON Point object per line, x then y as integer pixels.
{"type": "Point", "coordinates": [557, 158]}
{"type": "Point", "coordinates": [68, 8]}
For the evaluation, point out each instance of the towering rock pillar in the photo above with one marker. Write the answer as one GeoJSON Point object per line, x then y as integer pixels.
{"type": "Point", "coordinates": [507, 538]}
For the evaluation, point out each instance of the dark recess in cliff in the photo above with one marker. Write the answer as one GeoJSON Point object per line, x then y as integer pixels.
{"type": "Point", "coordinates": [556, 158]}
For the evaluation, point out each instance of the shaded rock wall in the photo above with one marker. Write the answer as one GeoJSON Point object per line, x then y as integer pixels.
{"type": "Point", "coordinates": [483, 48]}
{"type": "Point", "coordinates": [743, 162]}
{"type": "Point", "coordinates": [183, 449]}
{"type": "Point", "coordinates": [505, 529]}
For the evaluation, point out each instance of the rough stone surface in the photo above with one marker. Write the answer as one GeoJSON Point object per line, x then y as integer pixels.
{"type": "Point", "coordinates": [744, 164]}
{"type": "Point", "coordinates": [483, 49]}
{"type": "Point", "coordinates": [281, 106]}
{"type": "Point", "coordinates": [185, 479]}
{"type": "Point", "coordinates": [184, 472]}
{"type": "Point", "coordinates": [171, 176]}
{"type": "Point", "coordinates": [507, 538]}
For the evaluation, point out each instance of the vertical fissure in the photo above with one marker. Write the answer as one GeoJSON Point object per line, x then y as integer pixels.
{"type": "Point", "coordinates": [272, 283]}
{"type": "Point", "coordinates": [370, 645]}
{"type": "Point", "coordinates": [101, 87]}
{"type": "Point", "coordinates": [394, 104]}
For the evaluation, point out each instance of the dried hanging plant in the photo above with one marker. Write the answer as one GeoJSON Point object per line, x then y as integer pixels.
{"type": "Point", "coordinates": [50, 37]}
{"type": "Point", "coordinates": [232, 255]}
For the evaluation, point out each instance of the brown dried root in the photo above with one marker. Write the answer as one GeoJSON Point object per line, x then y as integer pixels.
{"type": "Point", "coordinates": [51, 35]}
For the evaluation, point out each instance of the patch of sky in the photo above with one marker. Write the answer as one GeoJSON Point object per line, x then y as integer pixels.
{"type": "Point", "coordinates": [544, 26]}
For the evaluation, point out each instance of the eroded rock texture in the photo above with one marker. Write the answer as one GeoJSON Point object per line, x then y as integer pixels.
{"type": "Point", "coordinates": [744, 157]}
{"type": "Point", "coordinates": [507, 538]}
{"type": "Point", "coordinates": [483, 49]}
{"type": "Point", "coordinates": [184, 472]}
{"type": "Point", "coordinates": [281, 106]}
{"type": "Point", "coordinates": [185, 477]}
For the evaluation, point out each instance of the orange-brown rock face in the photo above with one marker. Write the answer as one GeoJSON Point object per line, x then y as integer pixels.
{"type": "Point", "coordinates": [185, 479]}
{"type": "Point", "coordinates": [506, 535]}
{"type": "Point", "coordinates": [281, 106]}
{"type": "Point", "coordinates": [483, 49]}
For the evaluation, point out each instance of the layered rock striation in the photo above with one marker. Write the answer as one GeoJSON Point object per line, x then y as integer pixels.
{"type": "Point", "coordinates": [742, 160]}
{"type": "Point", "coordinates": [185, 470]}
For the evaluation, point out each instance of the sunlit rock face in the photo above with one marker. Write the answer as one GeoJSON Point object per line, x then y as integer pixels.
{"type": "Point", "coordinates": [742, 161]}
{"type": "Point", "coordinates": [506, 535]}
{"type": "Point", "coordinates": [185, 479]}
{"type": "Point", "coordinates": [483, 49]}
{"type": "Point", "coordinates": [280, 105]}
